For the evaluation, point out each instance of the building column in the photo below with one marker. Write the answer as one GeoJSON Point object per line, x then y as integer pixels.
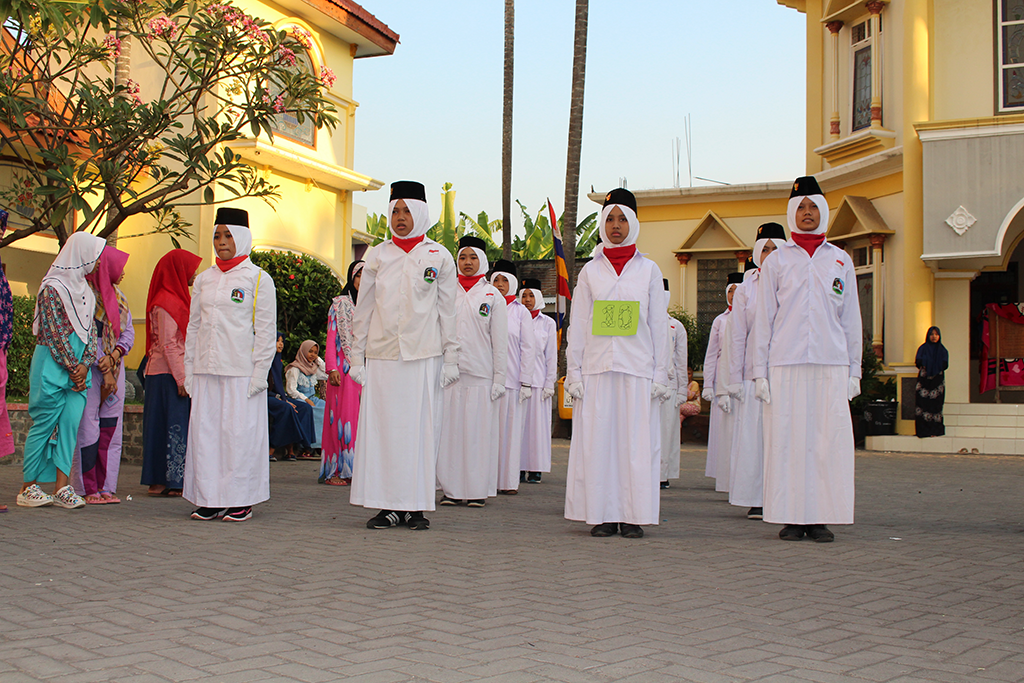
{"type": "Point", "coordinates": [683, 260]}
{"type": "Point", "coordinates": [875, 7]}
{"type": "Point", "coordinates": [833, 28]}
{"type": "Point", "coordinates": [741, 258]}
{"type": "Point", "coordinates": [953, 317]}
{"type": "Point", "coordinates": [877, 295]}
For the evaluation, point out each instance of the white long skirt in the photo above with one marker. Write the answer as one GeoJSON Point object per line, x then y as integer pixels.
{"type": "Point", "coordinates": [536, 452]}
{"type": "Point", "coordinates": [226, 460]}
{"type": "Point", "coordinates": [723, 439]}
{"type": "Point", "coordinates": [395, 463]}
{"type": "Point", "coordinates": [511, 426]}
{"type": "Point", "coordinates": [808, 446]}
{"type": "Point", "coordinates": [670, 439]}
{"type": "Point", "coordinates": [714, 436]}
{"type": "Point", "coordinates": [746, 472]}
{"type": "Point", "coordinates": [467, 462]}
{"type": "Point", "coordinates": [613, 468]}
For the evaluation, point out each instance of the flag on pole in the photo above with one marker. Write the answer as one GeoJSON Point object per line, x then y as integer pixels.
{"type": "Point", "coordinates": [562, 272]}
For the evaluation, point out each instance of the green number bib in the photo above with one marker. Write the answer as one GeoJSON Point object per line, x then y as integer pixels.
{"type": "Point", "coordinates": [616, 318]}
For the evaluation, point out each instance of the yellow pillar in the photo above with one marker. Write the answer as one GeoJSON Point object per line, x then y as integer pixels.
{"type": "Point", "coordinates": [683, 260]}
{"type": "Point", "coordinates": [833, 126]}
{"type": "Point", "coordinates": [953, 289]}
{"type": "Point", "coordinates": [918, 283]}
{"type": "Point", "coordinates": [815, 60]}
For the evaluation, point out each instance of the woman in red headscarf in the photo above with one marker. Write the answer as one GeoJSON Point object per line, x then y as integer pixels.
{"type": "Point", "coordinates": [97, 458]}
{"type": "Point", "coordinates": [165, 420]}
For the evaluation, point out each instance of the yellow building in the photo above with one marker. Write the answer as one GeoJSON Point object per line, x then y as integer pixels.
{"type": "Point", "coordinates": [915, 132]}
{"type": "Point", "coordinates": [313, 169]}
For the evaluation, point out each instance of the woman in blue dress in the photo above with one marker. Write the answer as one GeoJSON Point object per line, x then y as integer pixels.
{"type": "Point", "coordinates": [291, 420]}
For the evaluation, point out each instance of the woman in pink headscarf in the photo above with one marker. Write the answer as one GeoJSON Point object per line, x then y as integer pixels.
{"type": "Point", "coordinates": [97, 457]}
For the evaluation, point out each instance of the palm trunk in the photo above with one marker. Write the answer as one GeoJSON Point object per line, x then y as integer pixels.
{"type": "Point", "coordinates": [122, 72]}
{"type": "Point", "coordinates": [506, 133]}
{"type": "Point", "coordinates": [572, 163]}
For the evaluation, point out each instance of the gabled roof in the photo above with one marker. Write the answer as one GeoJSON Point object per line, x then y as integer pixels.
{"type": "Point", "coordinates": [349, 21]}
{"type": "Point", "coordinates": [711, 234]}
{"type": "Point", "coordinates": [856, 217]}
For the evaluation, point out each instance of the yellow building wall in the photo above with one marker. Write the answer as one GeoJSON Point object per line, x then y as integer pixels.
{"type": "Point", "coordinates": [963, 54]}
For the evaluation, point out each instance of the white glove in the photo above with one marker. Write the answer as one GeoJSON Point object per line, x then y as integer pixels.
{"type": "Point", "coordinates": [735, 391]}
{"type": "Point", "coordinates": [497, 391]}
{"type": "Point", "coordinates": [256, 386]}
{"type": "Point", "coordinates": [659, 391]}
{"type": "Point", "coordinates": [854, 388]}
{"type": "Point", "coordinates": [357, 373]}
{"type": "Point", "coordinates": [449, 374]}
{"type": "Point", "coordinates": [708, 395]}
{"type": "Point", "coordinates": [575, 390]}
{"type": "Point", "coordinates": [725, 403]}
{"type": "Point", "coordinates": [680, 398]}
{"type": "Point", "coordinates": [761, 392]}
{"type": "Point", "coordinates": [188, 384]}
{"type": "Point", "coordinates": [547, 393]}
{"type": "Point", "coordinates": [525, 392]}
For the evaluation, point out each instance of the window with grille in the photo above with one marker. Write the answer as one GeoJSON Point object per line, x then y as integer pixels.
{"type": "Point", "coordinates": [286, 123]}
{"type": "Point", "coordinates": [860, 38]}
{"type": "Point", "coordinates": [711, 277]}
{"type": "Point", "coordinates": [1010, 54]}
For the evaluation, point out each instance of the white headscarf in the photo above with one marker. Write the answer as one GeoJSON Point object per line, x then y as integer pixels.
{"type": "Point", "coordinates": [794, 202]}
{"type": "Point", "coordinates": [759, 246]}
{"type": "Point", "coordinates": [420, 217]}
{"type": "Point", "coordinates": [67, 276]}
{"type": "Point", "coordinates": [484, 266]}
{"type": "Point", "coordinates": [538, 299]}
{"type": "Point", "coordinates": [513, 282]}
{"type": "Point", "coordinates": [634, 226]}
{"type": "Point", "coordinates": [243, 239]}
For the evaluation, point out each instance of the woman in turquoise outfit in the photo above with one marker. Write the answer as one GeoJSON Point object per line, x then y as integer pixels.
{"type": "Point", "coordinates": [65, 332]}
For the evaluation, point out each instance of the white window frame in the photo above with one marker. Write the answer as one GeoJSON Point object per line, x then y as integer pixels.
{"type": "Point", "coordinates": [1000, 66]}
{"type": "Point", "coordinates": [854, 48]}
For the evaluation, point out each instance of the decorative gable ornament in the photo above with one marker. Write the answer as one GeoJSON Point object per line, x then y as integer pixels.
{"type": "Point", "coordinates": [961, 220]}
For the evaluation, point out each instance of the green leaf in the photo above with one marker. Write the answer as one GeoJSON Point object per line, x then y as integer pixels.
{"type": "Point", "coordinates": [208, 195]}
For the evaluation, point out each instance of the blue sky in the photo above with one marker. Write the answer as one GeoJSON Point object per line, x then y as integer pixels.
{"type": "Point", "coordinates": [432, 111]}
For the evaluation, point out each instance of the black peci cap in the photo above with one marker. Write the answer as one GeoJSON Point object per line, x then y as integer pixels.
{"type": "Point", "coordinates": [748, 265]}
{"type": "Point", "coordinates": [472, 241]}
{"type": "Point", "coordinates": [805, 186]}
{"type": "Point", "coordinates": [408, 189]}
{"type": "Point", "coordinates": [771, 231]}
{"type": "Point", "coordinates": [531, 283]}
{"type": "Point", "coordinates": [734, 279]}
{"type": "Point", "coordinates": [504, 266]}
{"type": "Point", "coordinates": [229, 216]}
{"type": "Point", "coordinates": [621, 196]}
{"type": "Point", "coordinates": [665, 282]}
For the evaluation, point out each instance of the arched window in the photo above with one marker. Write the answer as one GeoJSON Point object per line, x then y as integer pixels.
{"type": "Point", "coordinates": [287, 124]}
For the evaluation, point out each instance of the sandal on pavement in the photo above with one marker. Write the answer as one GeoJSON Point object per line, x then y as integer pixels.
{"type": "Point", "coordinates": [157, 492]}
{"type": "Point", "coordinates": [111, 499]}
{"type": "Point", "coordinates": [94, 499]}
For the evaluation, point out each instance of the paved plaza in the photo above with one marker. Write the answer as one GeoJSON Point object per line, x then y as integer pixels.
{"type": "Point", "coordinates": [927, 586]}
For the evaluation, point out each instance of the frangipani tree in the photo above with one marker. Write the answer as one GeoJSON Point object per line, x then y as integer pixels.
{"type": "Point", "coordinates": [82, 144]}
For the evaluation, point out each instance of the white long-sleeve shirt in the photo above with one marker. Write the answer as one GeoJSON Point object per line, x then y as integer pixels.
{"type": "Point", "coordinates": [807, 310]}
{"type": "Point", "coordinates": [522, 345]}
{"type": "Point", "coordinates": [643, 354]}
{"type": "Point", "coordinates": [714, 351]}
{"type": "Point", "coordinates": [741, 331]}
{"type": "Point", "coordinates": [406, 308]}
{"type": "Point", "coordinates": [232, 325]}
{"type": "Point", "coordinates": [295, 378]}
{"type": "Point", "coordinates": [545, 366]}
{"type": "Point", "coordinates": [677, 354]}
{"type": "Point", "coordinates": [482, 324]}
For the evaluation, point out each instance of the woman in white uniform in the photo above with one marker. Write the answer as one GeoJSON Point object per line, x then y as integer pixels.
{"type": "Point", "coordinates": [746, 472]}
{"type": "Point", "coordinates": [404, 322]}
{"type": "Point", "coordinates": [229, 346]}
{"type": "Point", "coordinates": [467, 463]}
{"type": "Point", "coordinates": [716, 391]}
{"type": "Point", "coordinates": [616, 362]}
{"type": "Point", "coordinates": [521, 354]}
{"type": "Point", "coordinates": [536, 454]}
{"type": "Point", "coordinates": [669, 409]}
{"type": "Point", "coordinates": [808, 342]}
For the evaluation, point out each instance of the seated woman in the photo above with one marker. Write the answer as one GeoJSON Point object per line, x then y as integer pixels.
{"type": "Point", "coordinates": [300, 378]}
{"type": "Point", "coordinates": [291, 421]}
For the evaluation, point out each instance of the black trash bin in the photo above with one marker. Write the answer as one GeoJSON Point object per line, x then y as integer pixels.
{"type": "Point", "coordinates": [879, 418]}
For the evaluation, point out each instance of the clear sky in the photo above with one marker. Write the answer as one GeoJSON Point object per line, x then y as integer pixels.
{"type": "Point", "coordinates": [432, 111]}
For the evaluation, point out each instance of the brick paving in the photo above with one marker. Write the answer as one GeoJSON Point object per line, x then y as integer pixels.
{"type": "Point", "coordinates": [927, 586]}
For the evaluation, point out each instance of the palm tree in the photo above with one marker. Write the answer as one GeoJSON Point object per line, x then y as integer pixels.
{"type": "Point", "coordinates": [506, 133]}
{"type": "Point", "coordinates": [572, 163]}
{"type": "Point", "coordinates": [122, 74]}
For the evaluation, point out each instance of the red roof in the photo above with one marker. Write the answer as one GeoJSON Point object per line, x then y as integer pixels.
{"type": "Point", "coordinates": [353, 16]}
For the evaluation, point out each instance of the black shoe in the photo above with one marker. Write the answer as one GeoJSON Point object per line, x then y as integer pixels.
{"type": "Point", "coordinates": [273, 458]}
{"type": "Point", "coordinates": [476, 503]}
{"type": "Point", "coordinates": [208, 514]}
{"type": "Point", "coordinates": [290, 457]}
{"type": "Point", "coordinates": [238, 514]}
{"type": "Point", "coordinates": [819, 533]}
{"type": "Point", "coordinates": [755, 513]}
{"type": "Point", "coordinates": [664, 484]}
{"type": "Point", "coordinates": [791, 532]}
{"type": "Point", "coordinates": [522, 477]}
{"type": "Point", "coordinates": [605, 530]}
{"type": "Point", "coordinates": [533, 478]}
{"type": "Point", "coordinates": [445, 500]}
{"type": "Point", "coordinates": [417, 522]}
{"type": "Point", "coordinates": [386, 519]}
{"type": "Point", "coordinates": [631, 531]}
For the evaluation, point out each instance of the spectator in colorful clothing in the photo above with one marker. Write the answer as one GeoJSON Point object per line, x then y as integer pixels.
{"type": "Point", "coordinates": [6, 334]}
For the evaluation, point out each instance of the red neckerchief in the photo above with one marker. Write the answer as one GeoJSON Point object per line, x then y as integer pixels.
{"type": "Point", "coordinates": [226, 265]}
{"type": "Point", "coordinates": [730, 308]}
{"type": "Point", "coordinates": [810, 243]}
{"type": "Point", "coordinates": [467, 281]}
{"type": "Point", "coordinates": [618, 256]}
{"type": "Point", "coordinates": [534, 313]}
{"type": "Point", "coordinates": [509, 298]}
{"type": "Point", "coordinates": [408, 244]}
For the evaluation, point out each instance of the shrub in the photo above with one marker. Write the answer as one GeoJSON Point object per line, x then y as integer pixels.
{"type": "Point", "coordinates": [305, 288]}
{"type": "Point", "coordinates": [696, 339]}
{"type": "Point", "coordinates": [23, 345]}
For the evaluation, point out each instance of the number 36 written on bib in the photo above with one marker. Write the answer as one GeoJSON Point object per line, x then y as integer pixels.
{"type": "Point", "coordinates": [616, 318]}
